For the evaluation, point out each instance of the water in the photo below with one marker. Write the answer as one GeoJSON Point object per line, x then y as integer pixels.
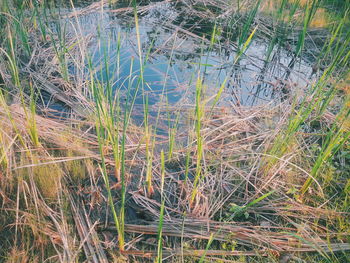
{"type": "Point", "coordinates": [170, 31]}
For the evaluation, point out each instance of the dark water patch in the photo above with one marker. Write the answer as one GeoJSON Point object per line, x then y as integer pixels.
{"type": "Point", "coordinates": [51, 107]}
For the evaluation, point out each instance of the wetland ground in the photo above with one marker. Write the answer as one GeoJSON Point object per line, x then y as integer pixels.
{"type": "Point", "coordinates": [175, 131]}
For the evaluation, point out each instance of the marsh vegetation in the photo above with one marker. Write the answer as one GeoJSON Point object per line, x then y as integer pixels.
{"type": "Point", "coordinates": [175, 131]}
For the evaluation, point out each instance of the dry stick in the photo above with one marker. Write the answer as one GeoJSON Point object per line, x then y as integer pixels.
{"type": "Point", "coordinates": [244, 235]}
{"type": "Point", "coordinates": [84, 236]}
{"type": "Point", "coordinates": [57, 93]}
{"type": "Point", "coordinates": [263, 252]}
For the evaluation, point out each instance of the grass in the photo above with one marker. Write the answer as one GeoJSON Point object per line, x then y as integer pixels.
{"type": "Point", "coordinates": [199, 115]}
{"type": "Point", "coordinates": [129, 173]}
{"type": "Point", "coordinates": [161, 217]}
{"type": "Point", "coordinates": [321, 97]}
{"type": "Point", "coordinates": [335, 139]}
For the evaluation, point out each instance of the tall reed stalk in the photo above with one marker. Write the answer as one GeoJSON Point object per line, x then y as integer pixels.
{"type": "Point", "coordinates": [161, 216]}
{"type": "Point", "coordinates": [199, 111]}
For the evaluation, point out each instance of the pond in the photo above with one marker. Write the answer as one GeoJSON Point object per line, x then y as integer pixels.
{"type": "Point", "coordinates": [176, 45]}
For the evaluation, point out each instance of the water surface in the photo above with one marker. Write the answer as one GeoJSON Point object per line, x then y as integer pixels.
{"type": "Point", "coordinates": [177, 46]}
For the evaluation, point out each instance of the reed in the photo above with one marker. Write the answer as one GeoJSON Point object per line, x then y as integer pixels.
{"type": "Point", "coordinates": [199, 111]}
{"type": "Point", "coordinates": [313, 105]}
{"type": "Point", "coordinates": [202, 187]}
{"type": "Point", "coordinates": [161, 217]}
{"type": "Point", "coordinates": [337, 136]}
{"type": "Point", "coordinates": [244, 37]}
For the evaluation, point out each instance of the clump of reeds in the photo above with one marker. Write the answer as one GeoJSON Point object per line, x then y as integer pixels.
{"type": "Point", "coordinates": [228, 186]}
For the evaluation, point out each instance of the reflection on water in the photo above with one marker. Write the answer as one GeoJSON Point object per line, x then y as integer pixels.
{"type": "Point", "coordinates": [173, 44]}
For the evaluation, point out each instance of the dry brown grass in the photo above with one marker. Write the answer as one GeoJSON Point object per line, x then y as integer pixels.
{"type": "Point", "coordinates": [234, 143]}
{"type": "Point", "coordinates": [53, 196]}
